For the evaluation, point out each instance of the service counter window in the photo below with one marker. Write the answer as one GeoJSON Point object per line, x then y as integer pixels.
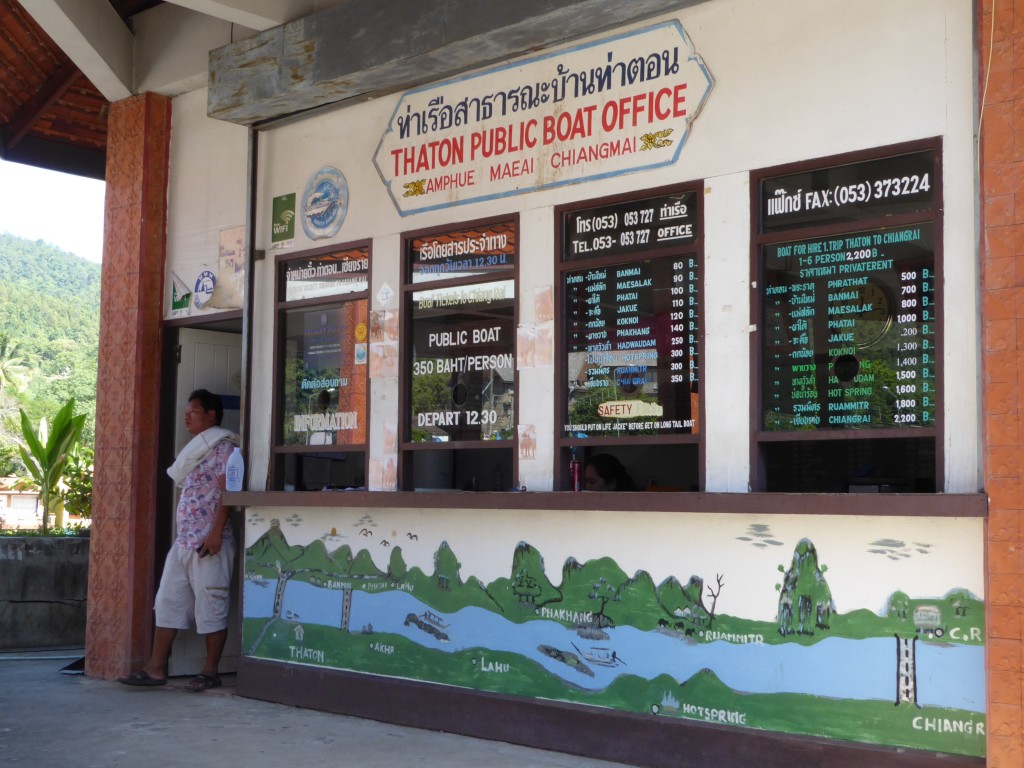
{"type": "Point", "coordinates": [458, 382]}
{"type": "Point", "coordinates": [321, 352]}
{"type": "Point", "coordinates": [629, 286]}
{"type": "Point", "coordinates": [849, 261]}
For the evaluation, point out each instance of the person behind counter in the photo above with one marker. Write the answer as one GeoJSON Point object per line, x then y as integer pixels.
{"type": "Point", "coordinates": [604, 472]}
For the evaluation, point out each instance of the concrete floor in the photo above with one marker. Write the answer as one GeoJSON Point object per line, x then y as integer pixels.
{"type": "Point", "coordinates": [52, 719]}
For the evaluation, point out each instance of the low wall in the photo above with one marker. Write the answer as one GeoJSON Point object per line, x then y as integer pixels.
{"type": "Point", "coordinates": [43, 586]}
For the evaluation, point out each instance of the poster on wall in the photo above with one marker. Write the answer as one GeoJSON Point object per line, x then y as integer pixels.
{"type": "Point", "coordinates": [229, 291]}
{"type": "Point", "coordinates": [325, 375]}
{"type": "Point", "coordinates": [633, 328]}
{"type": "Point", "coordinates": [181, 297]}
{"type": "Point", "coordinates": [867, 629]}
{"type": "Point", "coordinates": [851, 319]}
{"type": "Point", "coordinates": [618, 105]}
{"type": "Point", "coordinates": [282, 222]}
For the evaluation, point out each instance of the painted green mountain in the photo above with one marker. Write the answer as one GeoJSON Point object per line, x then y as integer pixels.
{"type": "Point", "coordinates": [597, 594]}
{"type": "Point", "coordinates": [805, 600]}
{"type": "Point", "coordinates": [270, 552]}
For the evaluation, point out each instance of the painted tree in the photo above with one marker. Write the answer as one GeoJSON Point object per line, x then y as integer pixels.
{"type": "Point", "coordinates": [713, 594]}
{"type": "Point", "coordinates": [604, 592]}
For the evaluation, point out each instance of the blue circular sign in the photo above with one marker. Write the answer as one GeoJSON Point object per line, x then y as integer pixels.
{"type": "Point", "coordinates": [324, 203]}
{"type": "Point", "coordinates": [203, 291]}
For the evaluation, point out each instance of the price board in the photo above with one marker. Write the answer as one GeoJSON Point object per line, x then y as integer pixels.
{"type": "Point", "coordinates": [632, 323]}
{"type": "Point", "coordinates": [850, 331]}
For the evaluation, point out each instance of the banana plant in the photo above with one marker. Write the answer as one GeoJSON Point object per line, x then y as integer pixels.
{"type": "Point", "coordinates": [45, 453]}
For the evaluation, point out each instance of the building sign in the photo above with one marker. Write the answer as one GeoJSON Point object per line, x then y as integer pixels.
{"type": "Point", "coordinates": [633, 327]}
{"type": "Point", "coordinates": [325, 380]}
{"type": "Point", "coordinates": [850, 318]}
{"type": "Point", "coordinates": [331, 274]}
{"type": "Point", "coordinates": [615, 106]}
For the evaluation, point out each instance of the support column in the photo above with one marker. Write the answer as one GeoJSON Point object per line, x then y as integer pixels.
{"type": "Point", "coordinates": [121, 567]}
{"type": "Point", "coordinates": [1001, 64]}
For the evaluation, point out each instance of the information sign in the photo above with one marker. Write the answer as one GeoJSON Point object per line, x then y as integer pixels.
{"type": "Point", "coordinates": [853, 192]}
{"type": "Point", "coordinates": [630, 227]}
{"type": "Point", "coordinates": [327, 275]}
{"type": "Point", "coordinates": [463, 363]}
{"type": "Point", "coordinates": [465, 253]}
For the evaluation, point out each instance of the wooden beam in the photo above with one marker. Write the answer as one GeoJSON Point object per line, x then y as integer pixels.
{"type": "Point", "coordinates": [364, 47]}
{"type": "Point", "coordinates": [44, 99]}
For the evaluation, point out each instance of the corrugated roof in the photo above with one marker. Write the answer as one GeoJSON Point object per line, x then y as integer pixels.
{"type": "Point", "coordinates": [51, 116]}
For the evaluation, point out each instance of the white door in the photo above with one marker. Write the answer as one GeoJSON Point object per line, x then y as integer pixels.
{"type": "Point", "coordinates": [209, 360]}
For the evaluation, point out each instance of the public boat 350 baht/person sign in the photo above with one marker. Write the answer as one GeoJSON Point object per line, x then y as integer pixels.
{"type": "Point", "coordinates": [619, 105]}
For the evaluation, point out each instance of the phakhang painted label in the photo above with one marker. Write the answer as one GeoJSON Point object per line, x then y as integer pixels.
{"type": "Point", "coordinates": [614, 106]}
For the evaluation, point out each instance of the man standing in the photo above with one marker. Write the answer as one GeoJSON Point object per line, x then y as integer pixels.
{"type": "Point", "coordinates": [196, 581]}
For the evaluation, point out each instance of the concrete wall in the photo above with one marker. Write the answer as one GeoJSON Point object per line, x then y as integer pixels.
{"type": "Point", "coordinates": [42, 592]}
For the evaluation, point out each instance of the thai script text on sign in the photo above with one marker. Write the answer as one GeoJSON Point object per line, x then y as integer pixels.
{"type": "Point", "coordinates": [604, 108]}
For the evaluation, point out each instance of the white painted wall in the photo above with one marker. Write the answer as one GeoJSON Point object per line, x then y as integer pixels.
{"type": "Point", "coordinates": [206, 191]}
{"type": "Point", "coordinates": [793, 81]}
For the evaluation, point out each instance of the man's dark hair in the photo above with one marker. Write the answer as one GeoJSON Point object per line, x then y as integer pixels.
{"type": "Point", "coordinates": [209, 401]}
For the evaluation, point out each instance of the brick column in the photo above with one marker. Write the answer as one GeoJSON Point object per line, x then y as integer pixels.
{"type": "Point", "coordinates": [1002, 294]}
{"type": "Point", "coordinates": [121, 568]}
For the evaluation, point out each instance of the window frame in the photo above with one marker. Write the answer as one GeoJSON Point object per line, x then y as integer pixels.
{"type": "Point", "coordinates": [282, 306]}
{"type": "Point", "coordinates": [933, 216]}
{"type": "Point", "coordinates": [565, 445]}
{"type": "Point", "coordinates": [407, 448]}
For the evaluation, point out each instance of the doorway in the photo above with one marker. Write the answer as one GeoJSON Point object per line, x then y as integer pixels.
{"type": "Point", "coordinates": [209, 360]}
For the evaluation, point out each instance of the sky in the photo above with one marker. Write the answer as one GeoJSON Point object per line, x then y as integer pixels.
{"type": "Point", "coordinates": [58, 208]}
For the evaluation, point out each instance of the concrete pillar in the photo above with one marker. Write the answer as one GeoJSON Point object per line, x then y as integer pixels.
{"type": "Point", "coordinates": [121, 568]}
{"type": "Point", "coordinates": [1001, 61]}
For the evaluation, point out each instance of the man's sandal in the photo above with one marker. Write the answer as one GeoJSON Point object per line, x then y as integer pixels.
{"type": "Point", "coordinates": [202, 683]}
{"type": "Point", "coordinates": [142, 679]}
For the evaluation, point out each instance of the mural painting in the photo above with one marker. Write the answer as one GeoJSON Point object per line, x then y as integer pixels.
{"type": "Point", "coordinates": [863, 629]}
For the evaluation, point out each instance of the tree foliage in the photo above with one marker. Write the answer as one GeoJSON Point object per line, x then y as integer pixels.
{"type": "Point", "coordinates": [49, 336]}
{"type": "Point", "coordinates": [45, 453]}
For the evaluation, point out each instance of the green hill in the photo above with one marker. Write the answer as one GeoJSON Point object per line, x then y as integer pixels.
{"type": "Point", "coordinates": [49, 308]}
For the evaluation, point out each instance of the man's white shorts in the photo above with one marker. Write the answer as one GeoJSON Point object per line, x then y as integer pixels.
{"type": "Point", "coordinates": [195, 588]}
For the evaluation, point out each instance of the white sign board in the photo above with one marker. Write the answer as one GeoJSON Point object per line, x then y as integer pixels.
{"type": "Point", "coordinates": [615, 106]}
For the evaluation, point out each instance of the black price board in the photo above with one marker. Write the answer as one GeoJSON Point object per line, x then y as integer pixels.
{"type": "Point", "coordinates": [478, 251]}
{"type": "Point", "coordinates": [632, 335]}
{"type": "Point", "coordinates": [631, 227]}
{"type": "Point", "coordinates": [852, 192]}
{"type": "Point", "coordinates": [850, 331]}
{"type": "Point", "coordinates": [463, 363]}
